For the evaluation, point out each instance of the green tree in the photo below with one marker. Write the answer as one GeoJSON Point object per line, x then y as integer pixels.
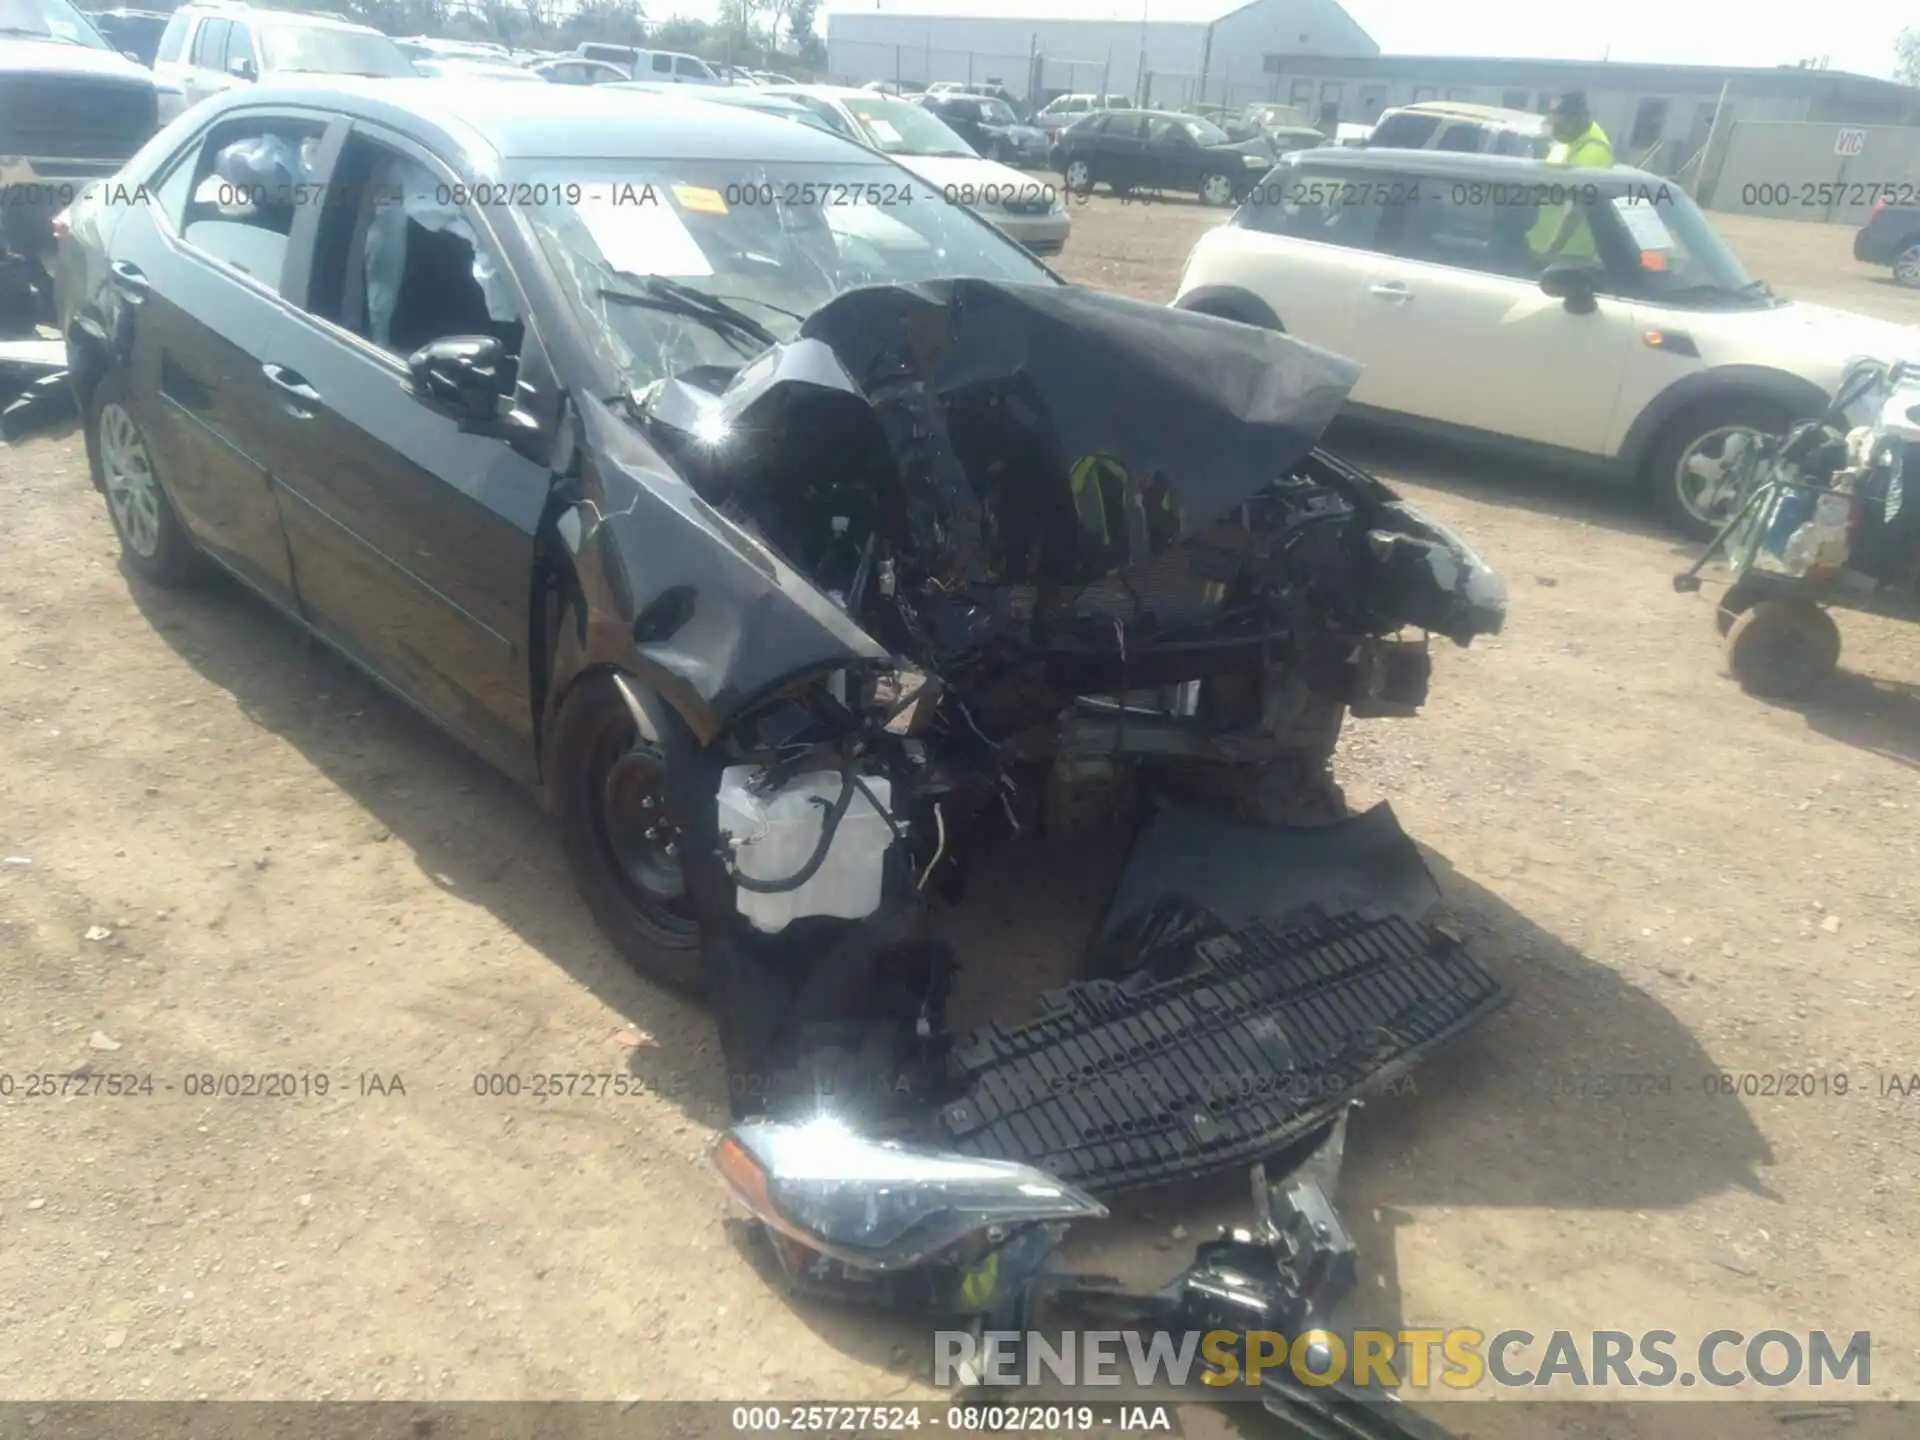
{"type": "Point", "coordinates": [1906, 57]}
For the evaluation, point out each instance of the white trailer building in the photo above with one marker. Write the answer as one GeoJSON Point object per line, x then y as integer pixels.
{"type": "Point", "coordinates": [1159, 52]}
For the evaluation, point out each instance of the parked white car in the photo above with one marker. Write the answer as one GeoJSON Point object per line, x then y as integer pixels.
{"type": "Point", "coordinates": [1029, 211]}
{"type": "Point", "coordinates": [1457, 125]}
{"type": "Point", "coordinates": [213, 45]}
{"type": "Point", "coordinates": [1646, 352]}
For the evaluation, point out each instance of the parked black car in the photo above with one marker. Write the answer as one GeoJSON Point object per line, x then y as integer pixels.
{"type": "Point", "coordinates": [991, 127]}
{"type": "Point", "coordinates": [1130, 150]}
{"type": "Point", "coordinates": [562, 466]}
{"type": "Point", "coordinates": [135, 33]}
{"type": "Point", "coordinates": [1891, 236]}
{"type": "Point", "coordinates": [72, 108]}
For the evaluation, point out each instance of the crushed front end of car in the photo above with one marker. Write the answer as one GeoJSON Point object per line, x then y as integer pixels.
{"type": "Point", "coordinates": [964, 562]}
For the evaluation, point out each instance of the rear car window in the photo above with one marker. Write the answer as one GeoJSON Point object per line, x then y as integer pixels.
{"type": "Point", "coordinates": [210, 44]}
{"type": "Point", "coordinates": [1404, 132]}
{"type": "Point", "coordinates": [244, 187]}
{"type": "Point", "coordinates": [1330, 209]}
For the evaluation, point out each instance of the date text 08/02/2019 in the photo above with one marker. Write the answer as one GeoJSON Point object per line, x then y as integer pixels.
{"type": "Point", "coordinates": [1040, 1419]}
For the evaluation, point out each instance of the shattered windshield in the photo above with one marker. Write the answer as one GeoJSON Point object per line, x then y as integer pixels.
{"type": "Point", "coordinates": [896, 128]}
{"type": "Point", "coordinates": [53, 20]}
{"type": "Point", "coordinates": [322, 50]}
{"type": "Point", "coordinates": [679, 264]}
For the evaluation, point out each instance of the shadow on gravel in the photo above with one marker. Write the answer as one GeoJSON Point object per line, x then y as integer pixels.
{"type": "Point", "coordinates": [1879, 716]}
{"type": "Point", "coordinates": [1459, 468]}
{"type": "Point", "coordinates": [474, 833]}
{"type": "Point", "coordinates": [1585, 1093]}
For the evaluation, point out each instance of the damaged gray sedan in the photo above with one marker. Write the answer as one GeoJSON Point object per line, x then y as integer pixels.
{"type": "Point", "coordinates": [799, 538]}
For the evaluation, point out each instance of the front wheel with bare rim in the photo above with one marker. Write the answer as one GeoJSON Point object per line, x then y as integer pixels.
{"type": "Point", "coordinates": [152, 538]}
{"type": "Point", "coordinates": [623, 845]}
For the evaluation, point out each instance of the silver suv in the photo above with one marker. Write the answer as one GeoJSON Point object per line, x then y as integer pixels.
{"type": "Point", "coordinates": [214, 45]}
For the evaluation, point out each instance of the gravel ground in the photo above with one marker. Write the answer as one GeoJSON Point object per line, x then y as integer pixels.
{"type": "Point", "coordinates": [227, 853]}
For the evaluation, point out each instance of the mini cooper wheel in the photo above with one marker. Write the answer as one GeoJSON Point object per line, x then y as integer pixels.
{"type": "Point", "coordinates": [1217, 189]}
{"type": "Point", "coordinates": [1906, 266]}
{"type": "Point", "coordinates": [623, 847]}
{"type": "Point", "coordinates": [152, 539]}
{"type": "Point", "coordinates": [1695, 470]}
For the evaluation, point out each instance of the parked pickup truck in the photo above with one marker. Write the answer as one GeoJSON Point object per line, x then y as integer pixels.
{"type": "Point", "coordinates": [72, 109]}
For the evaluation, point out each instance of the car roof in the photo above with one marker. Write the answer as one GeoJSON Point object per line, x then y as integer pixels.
{"type": "Point", "coordinates": [1466, 110]}
{"type": "Point", "coordinates": [257, 13]}
{"type": "Point", "coordinates": [547, 122]}
{"type": "Point", "coordinates": [1469, 165]}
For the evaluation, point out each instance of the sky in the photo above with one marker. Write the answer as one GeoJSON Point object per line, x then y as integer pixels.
{"type": "Point", "coordinates": [1856, 35]}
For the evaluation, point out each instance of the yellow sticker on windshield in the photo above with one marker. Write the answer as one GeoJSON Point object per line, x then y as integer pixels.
{"type": "Point", "coordinates": [700, 200]}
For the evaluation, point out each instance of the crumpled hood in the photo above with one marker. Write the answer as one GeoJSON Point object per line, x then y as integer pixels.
{"type": "Point", "coordinates": [1040, 434]}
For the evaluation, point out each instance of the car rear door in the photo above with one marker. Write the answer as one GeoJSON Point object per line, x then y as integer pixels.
{"type": "Point", "coordinates": [1462, 282]}
{"type": "Point", "coordinates": [1308, 244]}
{"type": "Point", "coordinates": [1122, 150]}
{"type": "Point", "coordinates": [198, 274]}
{"type": "Point", "coordinates": [206, 70]}
{"type": "Point", "coordinates": [412, 539]}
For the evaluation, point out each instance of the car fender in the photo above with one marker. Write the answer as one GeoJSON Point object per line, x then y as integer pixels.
{"type": "Point", "coordinates": [1763, 382]}
{"type": "Point", "coordinates": [1230, 302]}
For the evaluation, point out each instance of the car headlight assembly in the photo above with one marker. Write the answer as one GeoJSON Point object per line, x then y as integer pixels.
{"type": "Point", "coordinates": [1256, 162]}
{"type": "Point", "coordinates": [876, 1205]}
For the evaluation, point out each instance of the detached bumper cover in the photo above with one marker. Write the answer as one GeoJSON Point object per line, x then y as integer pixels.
{"type": "Point", "coordinates": [1268, 1035]}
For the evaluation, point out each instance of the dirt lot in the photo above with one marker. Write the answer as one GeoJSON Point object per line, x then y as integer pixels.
{"type": "Point", "coordinates": [298, 877]}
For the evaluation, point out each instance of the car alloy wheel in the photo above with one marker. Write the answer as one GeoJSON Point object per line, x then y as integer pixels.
{"type": "Point", "coordinates": [1217, 189]}
{"type": "Point", "coordinates": [133, 494]}
{"type": "Point", "coordinates": [1906, 266]}
{"type": "Point", "coordinates": [1707, 481]}
{"type": "Point", "coordinates": [1079, 177]}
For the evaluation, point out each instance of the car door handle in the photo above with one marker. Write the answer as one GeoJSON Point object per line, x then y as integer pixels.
{"type": "Point", "coordinates": [1393, 291]}
{"type": "Point", "coordinates": [295, 393]}
{"type": "Point", "coordinates": [130, 281]}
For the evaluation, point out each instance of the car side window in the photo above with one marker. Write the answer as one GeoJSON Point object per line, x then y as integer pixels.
{"type": "Point", "coordinates": [1326, 207]}
{"type": "Point", "coordinates": [210, 44]}
{"type": "Point", "coordinates": [398, 266]}
{"type": "Point", "coordinates": [663, 64]}
{"type": "Point", "coordinates": [686, 65]}
{"type": "Point", "coordinates": [1403, 132]}
{"type": "Point", "coordinates": [173, 41]}
{"type": "Point", "coordinates": [244, 183]}
{"type": "Point", "coordinates": [1471, 227]}
{"type": "Point", "coordinates": [239, 45]}
{"type": "Point", "coordinates": [827, 113]}
{"type": "Point", "coordinates": [1463, 139]}
{"type": "Point", "coordinates": [1160, 131]}
{"type": "Point", "coordinates": [1125, 127]}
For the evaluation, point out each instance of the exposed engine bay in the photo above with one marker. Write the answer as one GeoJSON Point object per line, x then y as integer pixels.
{"type": "Point", "coordinates": [1103, 569]}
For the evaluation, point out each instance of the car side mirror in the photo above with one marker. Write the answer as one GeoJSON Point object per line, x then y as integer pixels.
{"type": "Point", "coordinates": [461, 376]}
{"type": "Point", "coordinates": [241, 67]}
{"type": "Point", "coordinates": [1572, 285]}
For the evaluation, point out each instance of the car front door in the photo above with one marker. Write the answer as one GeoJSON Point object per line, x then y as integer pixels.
{"type": "Point", "coordinates": [198, 274]}
{"type": "Point", "coordinates": [1455, 327]}
{"type": "Point", "coordinates": [1121, 147]}
{"type": "Point", "coordinates": [412, 537]}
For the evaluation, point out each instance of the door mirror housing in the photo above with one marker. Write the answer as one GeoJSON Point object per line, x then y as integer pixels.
{"type": "Point", "coordinates": [462, 377]}
{"type": "Point", "coordinates": [1572, 285]}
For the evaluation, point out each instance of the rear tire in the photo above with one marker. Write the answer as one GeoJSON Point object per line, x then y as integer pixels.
{"type": "Point", "coordinates": [153, 542]}
{"type": "Point", "coordinates": [1079, 177]}
{"type": "Point", "coordinates": [621, 850]}
{"type": "Point", "coordinates": [1906, 265]}
{"type": "Point", "coordinates": [1781, 649]}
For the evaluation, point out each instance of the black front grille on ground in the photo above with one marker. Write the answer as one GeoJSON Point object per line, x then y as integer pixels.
{"type": "Point", "coordinates": [1271, 1031]}
{"type": "Point", "coordinates": [75, 116]}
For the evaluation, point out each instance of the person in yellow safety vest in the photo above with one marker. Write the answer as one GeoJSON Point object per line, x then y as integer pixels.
{"type": "Point", "coordinates": [1561, 232]}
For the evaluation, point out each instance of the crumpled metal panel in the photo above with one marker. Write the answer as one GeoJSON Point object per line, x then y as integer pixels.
{"type": "Point", "coordinates": [1040, 434]}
